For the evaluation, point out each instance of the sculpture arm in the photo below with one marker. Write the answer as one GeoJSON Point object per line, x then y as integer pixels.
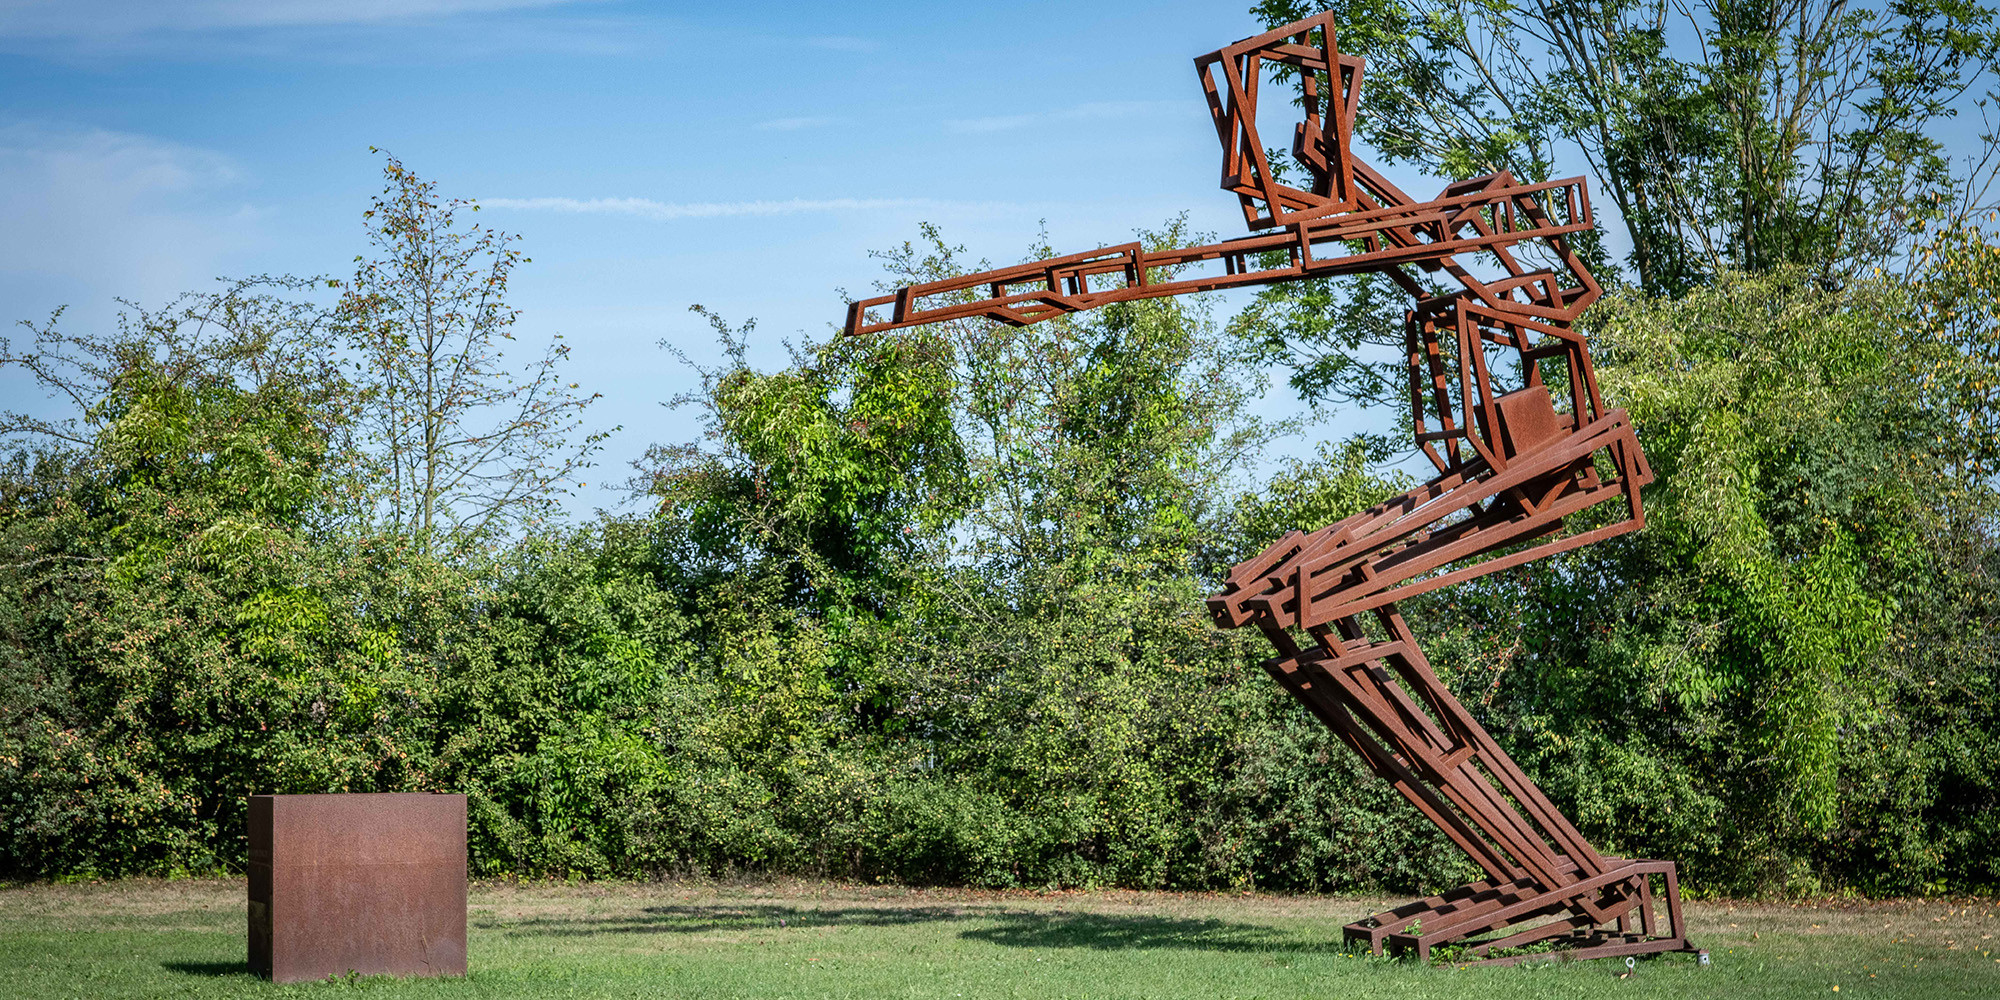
{"type": "Point", "coordinates": [1485, 215]}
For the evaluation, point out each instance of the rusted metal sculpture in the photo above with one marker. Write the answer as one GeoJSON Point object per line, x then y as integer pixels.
{"type": "Point", "coordinates": [1522, 450]}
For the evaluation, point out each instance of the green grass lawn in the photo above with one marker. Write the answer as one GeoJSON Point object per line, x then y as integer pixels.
{"type": "Point", "coordinates": [171, 939]}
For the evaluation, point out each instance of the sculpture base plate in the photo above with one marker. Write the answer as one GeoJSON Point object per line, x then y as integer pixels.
{"type": "Point", "coordinates": [1604, 916]}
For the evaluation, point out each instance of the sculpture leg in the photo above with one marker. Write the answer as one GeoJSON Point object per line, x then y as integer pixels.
{"type": "Point", "coordinates": [1544, 883]}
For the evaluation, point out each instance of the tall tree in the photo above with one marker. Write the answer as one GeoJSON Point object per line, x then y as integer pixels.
{"type": "Point", "coordinates": [1729, 134]}
{"type": "Point", "coordinates": [464, 445]}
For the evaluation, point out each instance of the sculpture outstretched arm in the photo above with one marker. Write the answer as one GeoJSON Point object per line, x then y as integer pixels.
{"type": "Point", "coordinates": [1516, 455]}
{"type": "Point", "coordinates": [1490, 217]}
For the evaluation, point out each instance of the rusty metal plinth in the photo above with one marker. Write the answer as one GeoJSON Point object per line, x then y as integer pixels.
{"type": "Point", "coordinates": [372, 884]}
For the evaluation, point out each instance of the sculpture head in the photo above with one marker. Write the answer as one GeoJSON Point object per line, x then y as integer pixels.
{"type": "Point", "coordinates": [1328, 85]}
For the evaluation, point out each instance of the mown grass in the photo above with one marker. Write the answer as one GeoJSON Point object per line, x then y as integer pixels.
{"type": "Point", "coordinates": [152, 939]}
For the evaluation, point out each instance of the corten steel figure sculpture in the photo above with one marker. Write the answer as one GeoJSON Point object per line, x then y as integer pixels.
{"type": "Point", "coordinates": [1518, 459]}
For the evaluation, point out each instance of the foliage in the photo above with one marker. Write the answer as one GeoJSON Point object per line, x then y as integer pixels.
{"type": "Point", "coordinates": [1744, 134]}
{"type": "Point", "coordinates": [173, 618]}
{"type": "Point", "coordinates": [1745, 662]}
{"type": "Point", "coordinates": [463, 447]}
{"type": "Point", "coordinates": [1958, 312]}
{"type": "Point", "coordinates": [929, 608]}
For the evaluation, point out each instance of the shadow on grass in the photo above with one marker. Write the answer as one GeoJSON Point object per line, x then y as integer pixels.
{"type": "Point", "coordinates": [700, 919]}
{"type": "Point", "coordinates": [236, 968]}
{"type": "Point", "coordinates": [1061, 929]}
{"type": "Point", "coordinates": [1011, 928]}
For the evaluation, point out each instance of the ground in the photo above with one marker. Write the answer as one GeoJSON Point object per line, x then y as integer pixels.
{"type": "Point", "coordinates": [808, 939]}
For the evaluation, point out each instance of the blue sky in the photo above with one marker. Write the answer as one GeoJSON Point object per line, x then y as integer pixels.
{"type": "Point", "coordinates": [651, 156]}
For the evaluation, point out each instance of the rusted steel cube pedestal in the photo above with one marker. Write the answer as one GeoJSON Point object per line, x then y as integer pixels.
{"type": "Point", "coordinates": [370, 883]}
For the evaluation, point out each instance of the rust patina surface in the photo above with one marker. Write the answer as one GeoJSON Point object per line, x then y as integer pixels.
{"type": "Point", "coordinates": [372, 884]}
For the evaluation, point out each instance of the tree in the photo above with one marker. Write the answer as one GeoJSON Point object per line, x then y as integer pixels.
{"type": "Point", "coordinates": [1744, 134]}
{"type": "Point", "coordinates": [1737, 135]}
{"type": "Point", "coordinates": [249, 335]}
{"type": "Point", "coordinates": [1958, 308]}
{"type": "Point", "coordinates": [1099, 444]}
{"type": "Point", "coordinates": [155, 567]}
{"type": "Point", "coordinates": [462, 446]}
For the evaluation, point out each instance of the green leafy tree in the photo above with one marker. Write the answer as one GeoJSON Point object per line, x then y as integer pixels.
{"type": "Point", "coordinates": [1958, 352]}
{"type": "Point", "coordinates": [172, 636]}
{"type": "Point", "coordinates": [1737, 686]}
{"type": "Point", "coordinates": [1740, 136]}
{"type": "Point", "coordinates": [1099, 446]}
{"type": "Point", "coordinates": [463, 446]}
{"type": "Point", "coordinates": [828, 475]}
{"type": "Point", "coordinates": [1748, 134]}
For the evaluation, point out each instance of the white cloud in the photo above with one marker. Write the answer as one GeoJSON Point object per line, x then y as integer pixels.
{"type": "Point", "coordinates": [102, 18]}
{"type": "Point", "coordinates": [662, 211]}
{"type": "Point", "coordinates": [360, 31]}
{"type": "Point", "coordinates": [1095, 111]}
{"type": "Point", "coordinates": [106, 213]}
{"type": "Point", "coordinates": [794, 124]}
